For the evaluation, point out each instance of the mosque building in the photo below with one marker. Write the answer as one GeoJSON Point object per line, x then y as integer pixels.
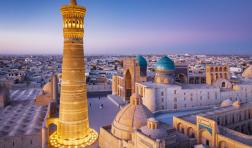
{"type": "Point", "coordinates": [164, 93]}
{"type": "Point", "coordinates": [135, 127]}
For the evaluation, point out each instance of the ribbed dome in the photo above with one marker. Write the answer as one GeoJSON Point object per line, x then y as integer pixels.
{"type": "Point", "coordinates": [247, 72]}
{"type": "Point", "coordinates": [141, 61]}
{"type": "Point", "coordinates": [165, 64]}
{"type": "Point", "coordinates": [132, 116]}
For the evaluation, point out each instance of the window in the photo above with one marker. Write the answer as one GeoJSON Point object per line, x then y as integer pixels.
{"type": "Point", "coordinates": [162, 93]}
{"type": "Point", "coordinates": [162, 99]}
{"type": "Point", "coordinates": [175, 91]}
{"type": "Point", "coordinates": [218, 120]}
{"type": "Point", "coordinates": [175, 99]}
{"type": "Point", "coordinates": [223, 84]}
{"type": "Point", "coordinates": [175, 106]}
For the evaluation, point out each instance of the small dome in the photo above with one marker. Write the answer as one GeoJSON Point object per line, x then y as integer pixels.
{"type": "Point", "coordinates": [247, 72]}
{"type": "Point", "coordinates": [132, 116]}
{"type": "Point", "coordinates": [141, 61]}
{"type": "Point", "coordinates": [165, 64]}
{"type": "Point", "coordinates": [226, 103]}
{"type": "Point", "coordinates": [237, 104]}
{"type": "Point", "coordinates": [153, 129]}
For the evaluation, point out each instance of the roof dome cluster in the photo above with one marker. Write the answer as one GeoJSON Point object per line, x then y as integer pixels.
{"type": "Point", "coordinates": [153, 129]}
{"type": "Point", "coordinates": [132, 116]}
{"type": "Point", "coordinates": [165, 64]}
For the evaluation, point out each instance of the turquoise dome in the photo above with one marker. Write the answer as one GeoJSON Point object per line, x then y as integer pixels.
{"type": "Point", "coordinates": [165, 64]}
{"type": "Point", "coordinates": [141, 61]}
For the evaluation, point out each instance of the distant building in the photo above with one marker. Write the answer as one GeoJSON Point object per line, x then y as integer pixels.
{"type": "Point", "coordinates": [16, 75]}
{"type": "Point", "coordinates": [134, 70]}
{"type": "Point", "coordinates": [164, 93]}
{"type": "Point", "coordinates": [214, 72]}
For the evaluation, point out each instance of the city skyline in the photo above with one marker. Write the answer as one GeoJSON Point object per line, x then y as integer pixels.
{"type": "Point", "coordinates": [132, 27]}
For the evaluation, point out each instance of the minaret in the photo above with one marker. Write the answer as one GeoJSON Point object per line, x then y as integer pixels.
{"type": "Point", "coordinates": [73, 125]}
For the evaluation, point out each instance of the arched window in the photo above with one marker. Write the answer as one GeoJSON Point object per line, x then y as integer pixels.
{"type": "Point", "coordinates": [69, 24]}
{"type": "Point", "coordinates": [218, 120]}
{"type": "Point", "coordinates": [65, 25]}
{"type": "Point", "coordinates": [77, 24]}
{"type": "Point", "coordinates": [223, 84]}
{"type": "Point", "coordinates": [217, 76]}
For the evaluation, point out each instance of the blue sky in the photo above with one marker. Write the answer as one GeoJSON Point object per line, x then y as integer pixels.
{"type": "Point", "coordinates": [131, 26]}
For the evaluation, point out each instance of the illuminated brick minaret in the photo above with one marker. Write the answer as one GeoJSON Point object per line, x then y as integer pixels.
{"type": "Point", "coordinates": [72, 124]}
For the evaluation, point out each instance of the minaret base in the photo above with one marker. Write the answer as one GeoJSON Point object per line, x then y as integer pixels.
{"type": "Point", "coordinates": [56, 142]}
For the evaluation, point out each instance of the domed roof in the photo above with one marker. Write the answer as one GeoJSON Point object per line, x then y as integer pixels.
{"type": "Point", "coordinates": [226, 103]}
{"type": "Point", "coordinates": [154, 130]}
{"type": "Point", "coordinates": [247, 72]}
{"type": "Point", "coordinates": [141, 61]}
{"type": "Point", "coordinates": [132, 116]}
{"type": "Point", "coordinates": [237, 104]}
{"type": "Point", "coordinates": [165, 64]}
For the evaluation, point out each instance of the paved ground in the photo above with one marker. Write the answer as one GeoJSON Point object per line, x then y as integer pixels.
{"type": "Point", "coordinates": [22, 116]}
{"type": "Point", "coordinates": [101, 117]}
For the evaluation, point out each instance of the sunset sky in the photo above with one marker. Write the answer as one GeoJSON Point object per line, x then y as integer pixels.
{"type": "Point", "coordinates": [131, 26]}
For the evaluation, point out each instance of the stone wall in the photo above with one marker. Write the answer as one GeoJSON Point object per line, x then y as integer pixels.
{"type": "Point", "coordinates": [21, 141]}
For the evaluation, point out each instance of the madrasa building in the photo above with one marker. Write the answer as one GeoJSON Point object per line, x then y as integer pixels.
{"type": "Point", "coordinates": [163, 93]}
{"type": "Point", "coordinates": [226, 126]}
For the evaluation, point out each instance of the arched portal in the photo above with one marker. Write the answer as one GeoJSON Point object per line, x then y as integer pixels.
{"type": "Point", "coordinates": [190, 132]}
{"type": "Point", "coordinates": [205, 137]}
{"type": "Point", "coordinates": [180, 128]}
{"type": "Point", "coordinates": [128, 85]}
{"type": "Point", "coordinates": [52, 128]}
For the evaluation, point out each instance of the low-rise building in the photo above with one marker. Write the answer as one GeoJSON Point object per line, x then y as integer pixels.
{"type": "Point", "coordinates": [228, 126]}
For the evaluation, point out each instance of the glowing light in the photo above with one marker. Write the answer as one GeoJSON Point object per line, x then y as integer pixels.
{"type": "Point", "coordinates": [91, 137]}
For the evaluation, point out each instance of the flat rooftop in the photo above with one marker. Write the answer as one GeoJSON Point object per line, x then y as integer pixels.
{"type": "Point", "coordinates": [211, 112]}
{"type": "Point", "coordinates": [22, 116]}
{"type": "Point", "coordinates": [183, 86]}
